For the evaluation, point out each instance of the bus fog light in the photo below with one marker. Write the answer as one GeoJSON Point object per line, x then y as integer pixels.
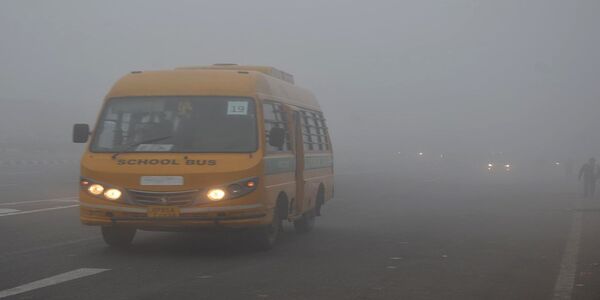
{"type": "Point", "coordinates": [215, 194]}
{"type": "Point", "coordinates": [235, 190]}
{"type": "Point", "coordinates": [112, 194]}
{"type": "Point", "coordinates": [96, 189]}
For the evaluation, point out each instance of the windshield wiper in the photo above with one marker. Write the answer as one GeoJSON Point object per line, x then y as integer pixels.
{"type": "Point", "coordinates": [127, 147]}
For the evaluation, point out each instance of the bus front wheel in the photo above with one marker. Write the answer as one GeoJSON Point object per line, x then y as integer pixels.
{"type": "Point", "coordinates": [118, 236]}
{"type": "Point", "coordinates": [265, 237]}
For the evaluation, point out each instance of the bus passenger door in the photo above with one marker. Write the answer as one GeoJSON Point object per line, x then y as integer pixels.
{"type": "Point", "coordinates": [299, 153]}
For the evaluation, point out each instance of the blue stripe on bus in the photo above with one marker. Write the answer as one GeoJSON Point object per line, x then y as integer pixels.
{"type": "Point", "coordinates": [276, 165]}
{"type": "Point", "coordinates": [318, 161]}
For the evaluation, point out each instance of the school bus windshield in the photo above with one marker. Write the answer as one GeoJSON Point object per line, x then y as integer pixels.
{"type": "Point", "coordinates": [177, 124]}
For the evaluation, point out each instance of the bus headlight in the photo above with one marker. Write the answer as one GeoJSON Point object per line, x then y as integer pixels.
{"type": "Point", "coordinates": [232, 190]}
{"type": "Point", "coordinates": [215, 194]}
{"type": "Point", "coordinates": [242, 187]}
{"type": "Point", "coordinates": [100, 190]}
{"type": "Point", "coordinates": [112, 194]}
{"type": "Point", "coordinates": [95, 189]}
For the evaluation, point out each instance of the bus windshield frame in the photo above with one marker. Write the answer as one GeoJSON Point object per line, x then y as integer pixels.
{"type": "Point", "coordinates": [250, 111]}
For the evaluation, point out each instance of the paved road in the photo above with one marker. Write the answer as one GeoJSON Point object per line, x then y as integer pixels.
{"type": "Point", "coordinates": [385, 236]}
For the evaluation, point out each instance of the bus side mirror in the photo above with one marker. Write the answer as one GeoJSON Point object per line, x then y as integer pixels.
{"type": "Point", "coordinates": [81, 133]}
{"type": "Point", "coordinates": [276, 137]}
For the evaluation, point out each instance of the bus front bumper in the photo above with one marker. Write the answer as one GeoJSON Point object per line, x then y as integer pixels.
{"type": "Point", "coordinates": [238, 216]}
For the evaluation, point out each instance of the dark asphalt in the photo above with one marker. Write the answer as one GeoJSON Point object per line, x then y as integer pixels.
{"type": "Point", "coordinates": [384, 236]}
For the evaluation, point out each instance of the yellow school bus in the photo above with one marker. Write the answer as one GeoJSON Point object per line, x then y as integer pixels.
{"type": "Point", "coordinates": [215, 147]}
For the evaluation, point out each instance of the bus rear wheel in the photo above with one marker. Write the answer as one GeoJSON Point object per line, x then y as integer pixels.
{"type": "Point", "coordinates": [306, 223]}
{"type": "Point", "coordinates": [118, 236]}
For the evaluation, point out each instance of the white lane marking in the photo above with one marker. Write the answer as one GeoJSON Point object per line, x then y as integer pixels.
{"type": "Point", "coordinates": [10, 255]}
{"type": "Point", "coordinates": [68, 199]}
{"type": "Point", "coordinates": [7, 210]}
{"type": "Point", "coordinates": [563, 289]}
{"type": "Point", "coordinates": [60, 278]}
{"type": "Point", "coordinates": [38, 210]}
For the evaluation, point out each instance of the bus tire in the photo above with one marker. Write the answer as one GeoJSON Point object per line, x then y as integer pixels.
{"type": "Point", "coordinates": [115, 236]}
{"type": "Point", "coordinates": [306, 223]}
{"type": "Point", "coordinates": [266, 237]}
{"type": "Point", "coordinates": [320, 200]}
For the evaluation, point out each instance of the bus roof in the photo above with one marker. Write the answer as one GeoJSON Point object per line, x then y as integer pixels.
{"type": "Point", "coordinates": [217, 80]}
{"type": "Point", "coordinates": [263, 69]}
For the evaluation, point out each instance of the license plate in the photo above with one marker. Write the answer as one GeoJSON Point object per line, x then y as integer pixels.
{"type": "Point", "coordinates": [162, 211]}
{"type": "Point", "coordinates": [161, 180]}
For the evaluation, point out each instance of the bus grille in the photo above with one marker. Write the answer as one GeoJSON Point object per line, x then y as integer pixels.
{"type": "Point", "coordinates": [184, 198]}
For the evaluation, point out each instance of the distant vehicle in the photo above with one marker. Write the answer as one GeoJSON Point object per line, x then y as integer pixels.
{"type": "Point", "coordinates": [221, 146]}
{"type": "Point", "coordinates": [498, 162]}
{"type": "Point", "coordinates": [499, 167]}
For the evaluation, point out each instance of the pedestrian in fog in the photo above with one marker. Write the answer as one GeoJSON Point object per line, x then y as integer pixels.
{"type": "Point", "coordinates": [589, 173]}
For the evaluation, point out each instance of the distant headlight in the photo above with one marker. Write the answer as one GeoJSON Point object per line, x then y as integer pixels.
{"type": "Point", "coordinates": [507, 166]}
{"type": "Point", "coordinates": [215, 194]}
{"type": "Point", "coordinates": [96, 189]}
{"type": "Point", "coordinates": [112, 194]}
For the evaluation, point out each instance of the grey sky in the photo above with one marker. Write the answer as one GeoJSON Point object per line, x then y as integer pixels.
{"type": "Point", "coordinates": [459, 75]}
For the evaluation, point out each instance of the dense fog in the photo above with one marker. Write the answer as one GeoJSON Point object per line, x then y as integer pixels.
{"type": "Point", "coordinates": [460, 81]}
{"type": "Point", "coordinates": [461, 133]}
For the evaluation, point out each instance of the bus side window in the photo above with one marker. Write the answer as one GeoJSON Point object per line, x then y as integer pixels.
{"type": "Point", "coordinates": [314, 130]}
{"type": "Point", "coordinates": [275, 116]}
{"type": "Point", "coordinates": [308, 142]}
{"type": "Point", "coordinates": [324, 131]}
